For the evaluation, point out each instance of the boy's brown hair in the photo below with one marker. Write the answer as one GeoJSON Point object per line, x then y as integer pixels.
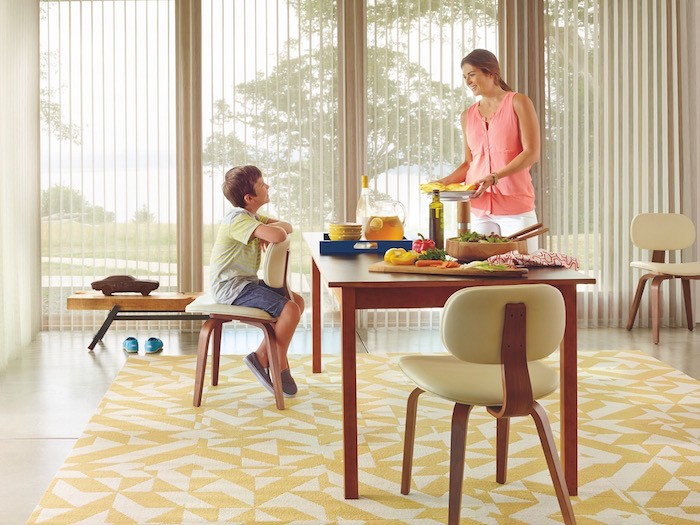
{"type": "Point", "coordinates": [239, 182]}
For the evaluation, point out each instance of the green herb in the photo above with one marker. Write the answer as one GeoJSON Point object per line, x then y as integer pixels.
{"type": "Point", "coordinates": [433, 254]}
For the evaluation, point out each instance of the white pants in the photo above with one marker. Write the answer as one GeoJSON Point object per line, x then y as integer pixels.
{"type": "Point", "coordinates": [506, 225]}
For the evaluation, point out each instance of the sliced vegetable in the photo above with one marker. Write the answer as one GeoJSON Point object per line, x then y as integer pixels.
{"type": "Point", "coordinates": [423, 263]}
{"type": "Point", "coordinates": [487, 267]}
{"type": "Point", "coordinates": [400, 256]}
{"type": "Point", "coordinates": [423, 244]}
{"type": "Point", "coordinates": [433, 263]}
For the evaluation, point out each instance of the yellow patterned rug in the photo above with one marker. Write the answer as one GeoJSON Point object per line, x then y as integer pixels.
{"type": "Point", "coordinates": [148, 456]}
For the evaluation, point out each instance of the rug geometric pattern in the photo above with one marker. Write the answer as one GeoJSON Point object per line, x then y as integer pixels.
{"type": "Point", "coordinates": [149, 456]}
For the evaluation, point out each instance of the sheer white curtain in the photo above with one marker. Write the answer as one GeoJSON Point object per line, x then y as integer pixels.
{"type": "Point", "coordinates": [269, 98]}
{"type": "Point", "coordinates": [613, 145]}
{"type": "Point", "coordinates": [108, 199]}
{"type": "Point", "coordinates": [415, 95]}
{"type": "Point", "coordinates": [20, 297]}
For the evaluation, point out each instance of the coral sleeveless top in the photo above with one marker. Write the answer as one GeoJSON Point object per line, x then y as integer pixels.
{"type": "Point", "coordinates": [493, 145]}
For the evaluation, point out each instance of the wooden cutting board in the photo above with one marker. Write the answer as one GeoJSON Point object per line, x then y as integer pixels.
{"type": "Point", "coordinates": [386, 267]}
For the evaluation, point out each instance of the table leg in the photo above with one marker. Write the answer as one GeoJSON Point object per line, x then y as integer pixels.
{"type": "Point", "coordinates": [347, 328]}
{"type": "Point", "coordinates": [105, 326]}
{"type": "Point", "coordinates": [569, 391]}
{"type": "Point", "coordinates": [315, 318]}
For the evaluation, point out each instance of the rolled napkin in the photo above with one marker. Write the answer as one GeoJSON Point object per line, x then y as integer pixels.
{"type": "Point", "coordinates": [538, 258]}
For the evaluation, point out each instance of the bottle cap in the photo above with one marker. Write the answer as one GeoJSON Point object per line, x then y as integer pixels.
{"type": "Point", "coordinates": [365, 181]}
{"type": "Point", "coordinates": [436, 192]}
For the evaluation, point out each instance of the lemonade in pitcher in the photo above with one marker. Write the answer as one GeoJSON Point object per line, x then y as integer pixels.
{"type": "Point", "coordinates": [384, 228]}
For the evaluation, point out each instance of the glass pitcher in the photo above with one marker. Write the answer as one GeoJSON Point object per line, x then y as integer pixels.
{"type": "Point", "coordinates": [385, 221]}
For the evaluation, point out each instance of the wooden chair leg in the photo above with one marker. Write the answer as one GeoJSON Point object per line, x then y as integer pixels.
{"type": "Point", "coordinates": [550, 453]}
{"type": "Point", "coordinates": [460, 416]}
{"type": "Point", "coordinates": [638, 299]}
{"type": "Point", "coordinates": [202, 350]}
{"type": "Point", "coordinates": [275, 368]}
{"type": "Point", "coordinates": [409, 439]}
{"type": "Point", "coordinates": [688, 304]}
{"type": "Point", "coordinates": [216, 353]}
{"type": "Point", "coordinates": [502, 430]}
{"type": "Point", "coordinates": [656, 307]}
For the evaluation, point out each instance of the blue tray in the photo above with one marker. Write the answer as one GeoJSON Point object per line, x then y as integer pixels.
{"type": "Point", "coordinates": [328, 247]}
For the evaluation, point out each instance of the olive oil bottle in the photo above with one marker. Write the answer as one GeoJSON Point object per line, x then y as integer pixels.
{"type": "Point", "coordinates": [364, 206]}
{"type": "Point", "coordinates": [437, 221]}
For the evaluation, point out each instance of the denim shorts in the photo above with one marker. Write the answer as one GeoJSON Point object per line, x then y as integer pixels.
{"type": "Point", "coordinates": [261, 296]}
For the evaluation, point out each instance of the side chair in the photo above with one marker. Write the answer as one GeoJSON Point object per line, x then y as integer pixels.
{"type": "Point", "coordinates": [497, 337]}
{"type": "Point", "coordinates": [662, 232]}
{"type": "Point", "coordinates": [274, 269]}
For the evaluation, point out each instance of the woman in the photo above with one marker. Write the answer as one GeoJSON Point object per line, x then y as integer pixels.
{"type": "Point", "coordinates": [501, 142]}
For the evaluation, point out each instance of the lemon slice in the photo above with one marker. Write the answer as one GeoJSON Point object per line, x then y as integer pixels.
{"type": "Point", "coordinates": [376, 224]}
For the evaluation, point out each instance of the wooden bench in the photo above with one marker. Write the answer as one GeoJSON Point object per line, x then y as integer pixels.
{"type": "Point", "coordinates": [135, 307]}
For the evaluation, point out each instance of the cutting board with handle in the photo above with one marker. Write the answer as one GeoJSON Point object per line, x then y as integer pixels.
{"type": "Point", "coordinates": [385, 267]}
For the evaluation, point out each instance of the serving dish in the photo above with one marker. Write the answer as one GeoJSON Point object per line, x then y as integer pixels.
{"type": "Point", "coordinates": [456, 195]}
{"type": "Point", "coordinates": [480, 251]}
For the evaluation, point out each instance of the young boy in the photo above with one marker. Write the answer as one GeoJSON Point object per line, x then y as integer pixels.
{"type": "Point", "coordinates": [235, 260]}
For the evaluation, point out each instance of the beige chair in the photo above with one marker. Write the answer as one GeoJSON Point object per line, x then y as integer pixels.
{"type": "Point", "coordinates": [274, 266]}
{"type": "Point", "coordinates": [661, 232]}
{"type": "Point", "coordinates": [497, 336]}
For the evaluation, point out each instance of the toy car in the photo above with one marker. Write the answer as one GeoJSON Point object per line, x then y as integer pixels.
{"type": "Point", "coordinates": [124, 283]}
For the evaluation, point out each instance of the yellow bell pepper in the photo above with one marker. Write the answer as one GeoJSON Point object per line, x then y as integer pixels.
{"type": "Point", "coordinates": [400, 256]}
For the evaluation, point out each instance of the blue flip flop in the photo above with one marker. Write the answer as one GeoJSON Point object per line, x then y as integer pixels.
{"type": "Point", "coordinates": [131, 345]}
{"type": "Point", "coordinates": [153, 345]}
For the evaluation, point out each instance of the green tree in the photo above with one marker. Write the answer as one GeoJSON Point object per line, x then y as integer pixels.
{"type": "Point", "coordinates": [143, 216]}
{"type": "Point", "coordinates": [282, 112]}
{"type": "Point", "coordinates": [49, 109]}
{"type": "Point", "coordinates": [69, 203]}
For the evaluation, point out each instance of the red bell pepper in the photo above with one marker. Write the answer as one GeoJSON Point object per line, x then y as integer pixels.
{"type": "Point", "coordinates": [423, 244]}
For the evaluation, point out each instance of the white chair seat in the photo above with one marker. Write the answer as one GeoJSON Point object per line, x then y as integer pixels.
{"type": "Point", "coordinates": [471, 383]}
{"type": "Point", "coordinates": [689, 269]}
{"type": "Point", "coordinates": [661, 233]}
{"type": "Point", "coordinates": [205, 304]}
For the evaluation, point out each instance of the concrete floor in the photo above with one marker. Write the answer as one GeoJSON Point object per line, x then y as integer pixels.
{"type": "Point", "coordinates": [50, 391]}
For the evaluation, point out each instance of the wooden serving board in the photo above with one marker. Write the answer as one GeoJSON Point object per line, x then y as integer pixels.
{"type": "Point", "coordinates": [386, 267]}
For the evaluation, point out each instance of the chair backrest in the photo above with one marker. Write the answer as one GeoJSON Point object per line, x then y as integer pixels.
{"type": "Point", "coordinates": [472, 321]}
{"type": "Point", "coordinates": [274, 264]}
{"type": "Point", "coordinates": [662, 231]}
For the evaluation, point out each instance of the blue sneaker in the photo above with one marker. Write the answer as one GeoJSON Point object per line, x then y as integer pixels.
{"type": "Point", "coordinates": [153, 345]}
{"type": "Point", "coordinates": [131, 345]}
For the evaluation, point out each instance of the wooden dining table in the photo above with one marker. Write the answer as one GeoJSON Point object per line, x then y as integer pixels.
{"type": "Point", "coordinates": [357, 288]}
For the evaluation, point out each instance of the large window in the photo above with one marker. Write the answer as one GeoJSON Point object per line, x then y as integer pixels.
{"type": "Point", "coordinates": [269, 97]}
{"type": "Point", "coordinates": [269, 83]}
{"type": "Point", "coordinates": [611, 118]}
{"type": "Point", "coordinates": [108, 135]}
{"type": "Point", "coordinates": [613, 142]}
{"type": "Point", "coordinates": [415, 95]}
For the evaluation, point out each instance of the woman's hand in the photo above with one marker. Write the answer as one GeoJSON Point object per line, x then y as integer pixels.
{"type": "Point", "coordinates": [484, 183]}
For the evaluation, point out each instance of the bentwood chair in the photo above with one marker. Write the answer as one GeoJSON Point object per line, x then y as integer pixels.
{"type": "Point", "coordinates": [662, 232]}
{"type": "Point", "coordinates": [274, 266]}
{"type": "Point", "coordinates": [497, 337]}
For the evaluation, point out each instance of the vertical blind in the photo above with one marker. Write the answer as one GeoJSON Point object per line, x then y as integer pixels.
{"type": "Point", "coordinates": [107, 164]}
{"type": "Point", "coordinates": [612, 142]}
{"type": "Point", "coordinates": [415, 95]}
{"type": "Point", "coordinates": [269, 93]}
{"type": "Point", "coordinates": [612, 122]}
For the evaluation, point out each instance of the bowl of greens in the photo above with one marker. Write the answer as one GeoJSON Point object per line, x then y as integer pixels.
{"type": "Point", "coordinates": [474, 246]}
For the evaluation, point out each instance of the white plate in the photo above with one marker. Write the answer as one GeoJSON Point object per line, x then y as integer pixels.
{"type": "Point", "coordinates": [456, 195]}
